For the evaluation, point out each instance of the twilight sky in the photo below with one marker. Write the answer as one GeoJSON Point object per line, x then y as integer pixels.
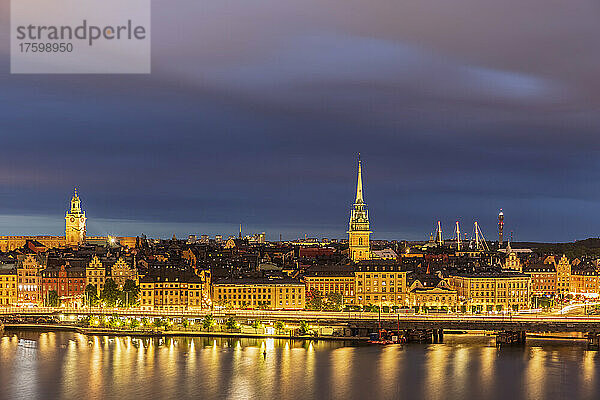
{"type": "Point", "coordinates": [255, 111]}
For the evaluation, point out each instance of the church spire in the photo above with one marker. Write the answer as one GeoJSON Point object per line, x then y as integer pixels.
{"type": "Point", "coordinates": [359, 189]}
{"type": "Point", "coordinates": [359, 233]}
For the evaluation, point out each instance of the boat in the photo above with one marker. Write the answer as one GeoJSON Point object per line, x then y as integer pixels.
{"type": "Point", "coordinates": [386, 337]}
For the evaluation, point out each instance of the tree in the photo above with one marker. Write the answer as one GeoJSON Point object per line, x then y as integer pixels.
{"type": "Point", "coordinates": [53, 299]}
{"type": "Point", "coordinates": [279, 326]}
{"type": "Point", "coordinates": [158, 322]}
{"type": "Point", "coordinates": [185, 323]}
{"type": "Point", "coordinates": [334, 302]}
{"type": "Point", "coordinates": [304, 328]}
{"type": "Point", "coordinates": [314, 300]}
{"type": "Point", "coordinates": [256, 325]}
{"type": "Point", "coordinates": [231, 324]}
{"type": "Point", "coordinates": [114, 321]}
{"type": "Point", "coordinates": [131, 292]}
{"type": "Point", "coordinates": [111, 293]}
{"type": "Point", "coordinates": [91, 295]}
{"type": "Point", "coordinates": [208, 322]}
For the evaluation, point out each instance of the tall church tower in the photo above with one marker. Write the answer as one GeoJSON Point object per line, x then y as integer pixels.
{"type": "Point", "coordinates": [75, 223]}
{"type": "Point", "coordinates": [359, 233]}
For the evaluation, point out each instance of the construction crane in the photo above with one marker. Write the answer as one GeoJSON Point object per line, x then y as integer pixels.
{"type": "Point", "coordinates": [438, 234]}
{"type": "Point", "coordinates": [457, 236]}
{"type": "Point", "coordinates": [480, 242]}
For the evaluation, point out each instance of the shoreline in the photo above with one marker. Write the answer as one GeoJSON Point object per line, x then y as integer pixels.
{"type": "Point", "coordinates": [176, 333]}
{"type": "Point", "coordinates": [153, 333]}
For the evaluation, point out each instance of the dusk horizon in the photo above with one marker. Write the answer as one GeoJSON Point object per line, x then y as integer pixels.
{"type": "Point", "coordinates": [300, 200]}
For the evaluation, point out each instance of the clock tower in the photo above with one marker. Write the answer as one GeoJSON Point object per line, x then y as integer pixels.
{"type": "Point", "coordinates": [75, 223]}
{"type": "Point", "coordinates": [359, 233]}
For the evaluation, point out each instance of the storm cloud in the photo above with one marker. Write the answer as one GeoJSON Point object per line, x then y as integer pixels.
{"type": "Point", "coordinates": [255, 112]}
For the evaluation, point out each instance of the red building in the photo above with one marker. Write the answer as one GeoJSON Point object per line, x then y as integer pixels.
{"type": "Point", "coordinates": [66, 279]}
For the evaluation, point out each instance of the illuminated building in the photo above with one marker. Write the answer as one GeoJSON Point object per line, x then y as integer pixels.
{"type": "Point", "coordinates": [563, 276]}
{"type": "Point", "coordinates": [9, 243]}
{"type": "Point", "coordinates": [332, 279]}
{"type": "Point", "coordinates": [29, 280]}
{"type": "Point", "coordinates": [430, 291]}
{"type": "Point", "coordinates": [260, 292]}
{"type": "Point", "coordinates": [67, 278]}
{"type": "Point", "coordinates": [437, 297]}
{"type": "Point", "coordinates": [75, 233]}
{"type": "Point", "coordinates": [121, 271]}
{"type": "Point", "coordinates": [359, 233]}
{"type": "Point", "coordinates": [75, 223]}
{"type": "Point", "coordinates": [491, 291]}
{"type": "Point", "coordinates": [543, 279]}
{"type": "Point", "coordinates": [8, 285]}
{"type": "Point", "coordinates": [95, 274]}
{"type": "Point", "coordinates": [171, 290]}
{"type": "Point", "coordinates": [380, 282]}
{"type": "Point", "coordinates": [584, 279]}
{"type": "Point", "coordinates": [512, 261]}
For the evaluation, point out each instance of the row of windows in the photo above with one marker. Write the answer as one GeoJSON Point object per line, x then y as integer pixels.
{"type": "Point", "coordinates": [192, 293]}
{"type": "Point", "coordinates": [257, 290]}
{"type": "Point", "coordinates": [8, 285]}
{"type": "Point", "coordinates": [382, 290]}
{"type": "Point", "coordinates": [435, 298]}
{"type": "Point", "coordinates": [170, 285]}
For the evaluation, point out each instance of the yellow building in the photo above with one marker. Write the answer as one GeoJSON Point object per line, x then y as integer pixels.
{"type": "Point", "coordinates": [267, 293]}
{"type": "Point", "coordinates": [380, 282]}
{"type": "Point", "coordinates": [359, 233]}
{"type": "Point", "coordinates": [75, 223]}
{"type": "Point", "coordinates": [438, 297]}
{"type": "Point", "coordinates": [9, 243]}
{"type": "Point", "coordinates": [332, 279]}
{"type": "Point", "coordinates": [563, 276]}
{"type": "Point", "coordinates": [121, 271]}
{"type": "Point", "coordinates": [8, 285]}
{"type": "Point", "coordinates": [95, 274]}
{"type": "Point", "coordinates": [29, 281]}
{"type": "Point", "coordinates": [584, 282]}
{"type": "Point", "coordinates": [492, 291]}
{"type": "Point", "coordinates": [512, 262]}
{"type": "Point", "coordinates": [171, 291]}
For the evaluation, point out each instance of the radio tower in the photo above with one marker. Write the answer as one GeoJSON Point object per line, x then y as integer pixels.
{"type": "Point", "coordinates": [500, 228]}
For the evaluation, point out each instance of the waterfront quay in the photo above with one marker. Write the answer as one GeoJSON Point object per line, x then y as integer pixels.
{"type": "Point", "coordinates": [510, 328]}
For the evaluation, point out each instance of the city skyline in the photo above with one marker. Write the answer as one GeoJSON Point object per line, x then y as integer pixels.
{"type": "Point", "coordinates": [107, 226]}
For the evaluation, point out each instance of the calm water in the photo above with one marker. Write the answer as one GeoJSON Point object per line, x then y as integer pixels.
{"type": "Point", "coordinates": [37, 365]}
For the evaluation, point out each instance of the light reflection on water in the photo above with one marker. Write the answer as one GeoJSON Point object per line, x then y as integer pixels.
{"type": "Point", "coordinates": [40, 365]}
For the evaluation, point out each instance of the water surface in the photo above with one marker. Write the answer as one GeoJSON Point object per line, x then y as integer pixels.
{"type": "Point", "coordinates": [61, 365]}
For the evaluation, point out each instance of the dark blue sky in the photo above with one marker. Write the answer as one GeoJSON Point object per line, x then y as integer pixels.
{"type": "Point", "coordinates": [255, 111]}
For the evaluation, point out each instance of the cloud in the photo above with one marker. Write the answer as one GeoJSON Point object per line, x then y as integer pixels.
{"type": "Point", "coordinates": [255, 112]}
